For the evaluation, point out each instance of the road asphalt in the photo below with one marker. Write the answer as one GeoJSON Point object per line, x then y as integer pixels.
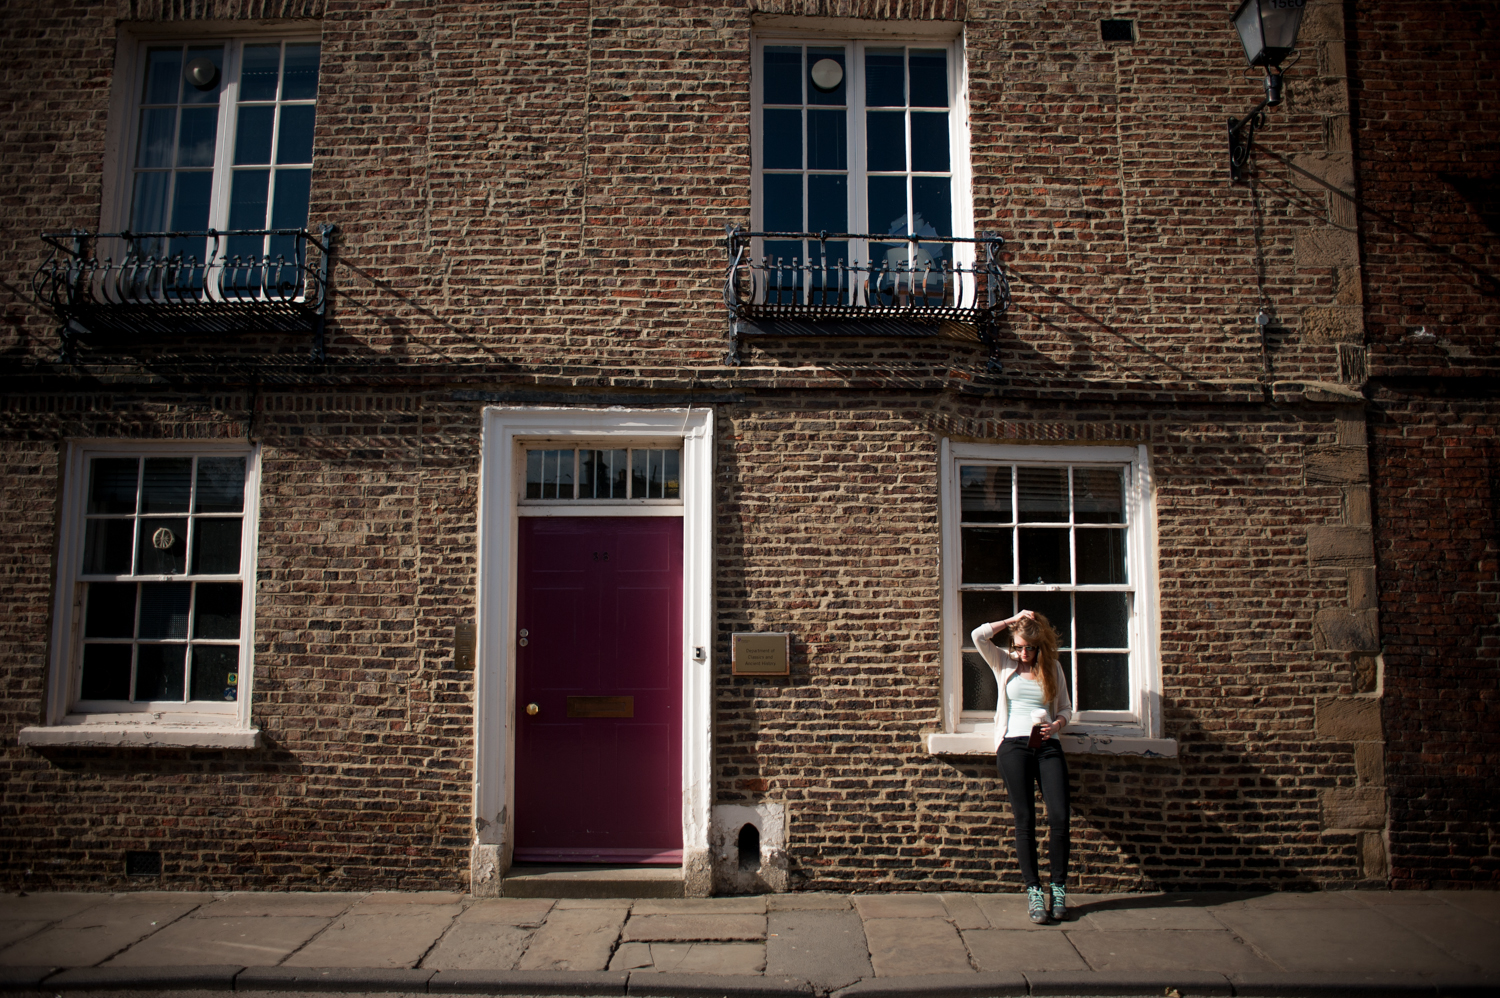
{"type": "Point", "coordinates": [1366, 943]}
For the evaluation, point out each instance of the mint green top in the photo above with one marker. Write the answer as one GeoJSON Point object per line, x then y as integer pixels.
{"type": "Point", "coordinates": [1025, 700]}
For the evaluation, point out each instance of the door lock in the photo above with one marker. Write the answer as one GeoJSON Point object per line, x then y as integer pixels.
{"type": "Point", "coordinates": [533, 709]}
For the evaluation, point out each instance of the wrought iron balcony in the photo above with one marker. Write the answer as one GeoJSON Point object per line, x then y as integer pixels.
{"type": "Point", "coordinates": [863, 284]}
{"type": "Point", "coordinates": [199, 283]}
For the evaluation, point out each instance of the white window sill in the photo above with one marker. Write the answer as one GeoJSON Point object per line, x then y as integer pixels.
{"type": "Point", "coordinates": [86, 734]}
{"type": "Point", "coordinates": [981, 743]}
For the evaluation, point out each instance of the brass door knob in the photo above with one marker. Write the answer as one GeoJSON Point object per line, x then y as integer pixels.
{"type": "Point", "coordinates": [532, 709]}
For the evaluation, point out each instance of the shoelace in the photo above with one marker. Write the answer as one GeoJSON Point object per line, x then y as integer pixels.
{"type": "Point", "coordinates": [1036, 901]}
{"type": "Point", "coordinates": [1059, 898]}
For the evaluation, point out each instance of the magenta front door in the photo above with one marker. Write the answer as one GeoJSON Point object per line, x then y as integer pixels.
{"type": "Point", "coordinates": [599, 690]}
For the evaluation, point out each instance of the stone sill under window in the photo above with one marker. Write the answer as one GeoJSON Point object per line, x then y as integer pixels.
{"type": "Point", "coordinates": [79, 732]}
{"type": "Point", "coordinates": [981, 743]}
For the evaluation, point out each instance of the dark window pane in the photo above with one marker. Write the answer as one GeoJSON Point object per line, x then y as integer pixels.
{"type": "Point", "coordinates": [215, 672]}
{"type": "Point", "coordinates": [1057, 608]}
{"type": "Point", "coordinates": [259, 72]}
{"type": "Point", "coordinates": [252, 135]}
{"type": "Point", "coordinates": [294, 141]}
{"type": "Point", "coordinates": [1098, 495]}
{"type": "Point", "coordinates": [1044, 556]}
{"type": "Point", "coordinates": [828, 206]}
{"type": "Point", "coordinates": [216, 546]}
{"type": "Point", "coordinates": [106, 672]}
{"type": "Point", "coordinates": [190, 200]}
{"type": "Point", "coordinates": [603, 474]}
{"type": "Point", "coordinates": [671, 487]}
{"type": "Point", "coordinates": [249, 196]}
{"type": "Point", "coordinates": [781, 211]}
{"type": "Point", "coordinates": [111, 610]}
{"type": "Point", "coordinates": [781, 143]}
{"type": "Point", "coordinates": [289, 204]}
{"type": "Point", "coordinates": [549, 474]}
{"type": "Point", "coordinates": [929, 141]}
{"type": "Point", "coordinates": [1103, 681]}
{"type": "Point", "coordinates": [300, 81]}
{"type": "Point", "coordinates": [216, 610]}
{"type": "Point", "coordinates": [836, 95]}
{"type": "Point", "coordinates": [984, 494]}
{"type": "Point", "coordinates": [106, 547]}
{"type": "Point", "coordinates": [221, 485]}
{"type": "Point", "coordinates": [169, 483]}
{"type": "Point", "coordinates": [159, 672]}
{"type": "Point", "coordinates": [981, 692]}
{"type": "Point", "coordinates": [198, 134]}
{"type": "Point", "coordinates": [190, 93]}
{"type": "Point", "coordinates": [827, 140]}
{"type": "Point", "coordinates": [163, 76]}
{"type": "Point", "coordinates": [161, 547]}
{"type": "Point", "coordinates": [885, 141]}
{"type": "Point", "coordinates": [932, 210]}
{"type": "Point", "coordinates": [148, 206]}
{"type": "Point", "coordinates": [885, 78]}
{"type": "Point", "coordinates": [112, 484]}
{"type": "Point", "coordinates": [1042, 494]}
{"type": "Point", "coordinates": [929, 78]}
{"type": "Point", "coordinates": [1101, 557]}
{"type": "Point", "coordinates": [158, 129]}
{"type": "Point", "coordinates": [987, 556]}
{"type": "Point", "coordinates": [783, 74]}
{"type": "Point", "coordinates": [164, 609]}
{"type": "Point", "coordinates": [984, 607]}
{"type": "Point", "coordinates": [654, 474]}
{"type": "Point", "coordinates": [1103, 620]}
{"type": "Point", "coordinates": [888, 206]}
{"type": "Point", "coordinates": [1065, 661]}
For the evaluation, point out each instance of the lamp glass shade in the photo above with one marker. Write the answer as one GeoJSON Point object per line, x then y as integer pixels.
{"type": "Point", "coordinates": [1268, 29]}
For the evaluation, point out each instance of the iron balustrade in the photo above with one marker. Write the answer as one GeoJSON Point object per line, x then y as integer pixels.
{"type": "Point", "coordinates": [862, 284]}
{"type": "Point", "coordinates": [214, 281]}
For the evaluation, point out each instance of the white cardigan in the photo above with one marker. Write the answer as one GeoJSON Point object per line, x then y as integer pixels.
{"type": "Point", "coordinates": [1002, 665]}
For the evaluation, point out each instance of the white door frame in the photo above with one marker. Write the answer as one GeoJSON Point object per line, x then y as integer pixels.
{"type": "Point", "coordinates": [501, 480]}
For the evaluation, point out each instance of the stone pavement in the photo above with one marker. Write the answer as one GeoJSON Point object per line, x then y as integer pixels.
{"type": "Point", "coordinates": [924, 945]}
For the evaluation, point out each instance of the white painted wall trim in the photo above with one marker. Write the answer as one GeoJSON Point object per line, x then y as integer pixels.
{"type": "Point", "coordinates": [501, 483]}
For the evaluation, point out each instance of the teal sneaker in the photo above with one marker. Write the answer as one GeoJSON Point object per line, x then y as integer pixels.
{"type": "Point", "coordinates": [1036, 905]}
{"type": "Point", "coordinates": [1059, 903]}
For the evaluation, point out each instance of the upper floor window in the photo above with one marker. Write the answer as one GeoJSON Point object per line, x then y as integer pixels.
{"type": "Point", "coordinates": [221, 136]}
{"type": "Point", "coordinates": [859, 136]}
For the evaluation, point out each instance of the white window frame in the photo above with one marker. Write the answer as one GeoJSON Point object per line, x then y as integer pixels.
{"type": "Point", "coordinates": [205, 724]}
{"type": "Point", "coordinates": [121, 134]}
{"type": "Point", "coordinates": [1137, 731]}
{"type": "Point", "coordinates": [859, 35]}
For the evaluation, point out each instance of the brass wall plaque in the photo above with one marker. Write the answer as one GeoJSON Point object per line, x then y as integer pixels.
{"type": "Point", "coordinates": [765, 653]}
{"type": "Point", "coordinates": [463, 646]}
{"type": "Point", "coordinates": [601, 706]}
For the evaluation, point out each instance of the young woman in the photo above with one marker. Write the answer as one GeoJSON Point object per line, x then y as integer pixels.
{"type": "Point", "coordinates": [1033, 694]}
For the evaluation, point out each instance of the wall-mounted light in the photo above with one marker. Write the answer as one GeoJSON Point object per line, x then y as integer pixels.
{"type": "Point", "coordinates": [1268, 30]}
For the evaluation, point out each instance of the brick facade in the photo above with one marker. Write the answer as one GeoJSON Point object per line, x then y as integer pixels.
{"type": "Point", "coordinates": [531, 201]}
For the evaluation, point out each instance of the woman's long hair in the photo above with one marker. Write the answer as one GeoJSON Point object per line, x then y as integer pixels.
{"type": "Point", "coordinates": [1038, 632]}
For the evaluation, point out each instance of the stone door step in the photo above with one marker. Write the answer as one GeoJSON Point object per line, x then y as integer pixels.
{"type": "Point", "coordinates": [586, 881]}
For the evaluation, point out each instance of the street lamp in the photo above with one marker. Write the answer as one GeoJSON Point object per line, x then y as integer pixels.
{"type": "Point", "coordinates": [1268, 30]}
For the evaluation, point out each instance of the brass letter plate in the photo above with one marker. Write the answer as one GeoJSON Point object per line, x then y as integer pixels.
{"type": "Point", "coordinates": [601, 706]}
{"type": "Point", "coordinates": [761, 654]}
{"type": "Point", "coordinates": [463, 646]}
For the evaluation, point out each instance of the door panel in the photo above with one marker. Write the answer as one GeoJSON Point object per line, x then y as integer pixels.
{"type": "Point", "coordinates": [600, 601]}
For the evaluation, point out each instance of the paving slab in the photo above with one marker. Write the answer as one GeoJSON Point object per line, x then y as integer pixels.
{"type": "Point", "coordinates": [388, 940]}
{"type": "Point", "coordinates": [1141, 950]}
{"type": "Point", "coordinates": [11, 932]}
{"type": "Point", "coordinates": [403, 899]}
{"type": "Point", "coordinates": [1485, 904]}
{"type": "Point", "coordinates": [980, 985]}
{"type": "Point", "coordinates": [1472, 942]}
{"type": "Point", "coordinates": [707, 958]}
{"type": "Point", "coordinates": [507, 911]}
{"type": "Point", "coordinates": [527, 982]}
{"type": "Point", "coordinates": [631, 956]}
{"type": "Point", "coordinates": [1008, 911]}
{"type": "Point", "coordinates": [1311, 899]}
{"type": "Point", "coordinates": [1352, 939]}
{"type": "Point", "coordinates": [345, 979]}
{"type": "Point", "coordinates": [165, 978]}
{"type": "Point", "coordinates": [1017, 950]}
{"type": "Point", "coordinates": [1110, 919]}
{"type": "Point", "coordinates": [574, 939]}
{"type": "Point", "coordinates": [653, 985]}
{"type": "Point", "coordinates": [811, 901]}
{"type": "Point", "coordinates": [248, 904]}
{"type": "Point", "coordinates": [964, 912]}
{"type": "Point", "coordinates": [824, 946]}
{"type": "Point", "coordinates": [905, 946]}
{"type": "Point", "coordinates": [479, 946]}
{"type": "Point", "coordinates": [700, 906]}
{"type": "Point", "coordinates": [899, 906]}
{"type": "Point", "coordinates": [246, 942]}
{"type": "Point", "coordinates": [1186, 983]}
{"type": "Point", "coordinates": [693, 928]}
{"type": "Point", "coordinates": [95, 934]}
{"type": "Point", "coordinates": [47, 907]}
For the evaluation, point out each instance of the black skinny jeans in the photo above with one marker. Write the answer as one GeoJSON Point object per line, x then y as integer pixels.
{"type": "Point", "coordinates": [1023, 769]}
